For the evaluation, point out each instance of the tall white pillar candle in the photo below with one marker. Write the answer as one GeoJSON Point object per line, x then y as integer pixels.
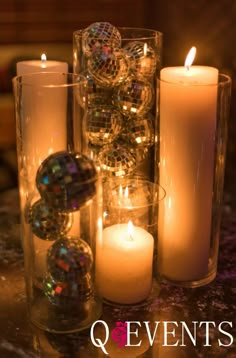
{"type": "Point", "coordinates": [44, 127]}
{"type": "Point", "coordinates": [188, 101]}
{"type": "Point", "coordinates": [124, 264]}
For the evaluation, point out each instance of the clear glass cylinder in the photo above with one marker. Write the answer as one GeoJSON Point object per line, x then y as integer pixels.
{"type": "Point", "coordinates": [120, 126]}
{"type": "Point", "coordinates": [60, 194]}
{"type": "Point", "coordinates": [193, 139]}
{"type": "Point", "coordinates": [125, 253]}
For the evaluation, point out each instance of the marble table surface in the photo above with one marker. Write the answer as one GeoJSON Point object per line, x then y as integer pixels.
{"type": "Point", "coordinates": [215, 302]}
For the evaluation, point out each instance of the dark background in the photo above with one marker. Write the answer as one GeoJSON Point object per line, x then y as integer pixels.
{"type": "Point", "coordinates": [30, 27]}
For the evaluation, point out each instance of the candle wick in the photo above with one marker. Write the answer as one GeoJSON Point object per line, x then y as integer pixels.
{"type": "Point", "coordinates": [130, 237]}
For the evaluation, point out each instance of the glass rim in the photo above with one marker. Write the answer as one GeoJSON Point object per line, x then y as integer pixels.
{"type": "Point", "coordinates": [23, 79]}
{"type": "Point", "coordinates": [125, 182]}
{"type": "Point", "coordinates": [223, 80]}
{"type": "Point", "coordinates": [152, 33]}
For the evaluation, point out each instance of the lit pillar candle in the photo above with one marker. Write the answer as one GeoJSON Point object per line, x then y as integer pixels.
{"type": "Point", "coordinates": [44, 110]}
{"type": "Point", "coordinates": [32, 66]}
{"type": "Point", "coordinates": [188, 101]}
{"type": "Point", "coordinates": [124, 263]}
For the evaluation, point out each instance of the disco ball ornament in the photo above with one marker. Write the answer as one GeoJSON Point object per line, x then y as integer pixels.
{"type": "Point", "coordinates": [100, 34]}
{"type": "Point", "coordinates": [104, 123]}
{"type": "Point", "coordinates": [66, 180]}
{"type": "Point", "coordinates": [67, 294]}
{"type": "Point", "coordinates": [142, 59]}
{"type": "Point", "coordinates": [134, 97]}
{"type": "Point", "coordinates": [108, 66]}
{"type": "Point", "coordinates": [69, 259]}
{"type": "Point", "coordinates": [141, 131]}
{"type": "Point", "coordinates": [91, 94]}
{"type": "Point", "coordinates": [117, 160]}
{"type": "Point", "coordinates": [47, 223]}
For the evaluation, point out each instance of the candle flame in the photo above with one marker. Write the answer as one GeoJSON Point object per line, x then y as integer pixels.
{"type": "Point", "coordinates": [145, 49]}
{"type": "Point", "coordinates": [43, 57]}
{"type": "Point", "coordinates": [130, 229]}
{"type": "Point", "coordinates": [43, 60]}
{"type": "Point", "coordinates": [190, 57]}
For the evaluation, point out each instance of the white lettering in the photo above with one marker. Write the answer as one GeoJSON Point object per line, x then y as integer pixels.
{"type": "Point", "coordinates": [166, 332]}
{"type": "Point", "coordinates": [151, 338]}
{"type": "Point", "coordinates": [207, 331]}
{"type": "Point", "coordinates": [226, 334]}
{"type": "Point", "coordinates": [97, 341]}
{"type": "Point", "coordinates": [135, 333]}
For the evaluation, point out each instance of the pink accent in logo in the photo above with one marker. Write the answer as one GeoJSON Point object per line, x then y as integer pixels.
{"type": "Point", "coordinates": [119, 334]}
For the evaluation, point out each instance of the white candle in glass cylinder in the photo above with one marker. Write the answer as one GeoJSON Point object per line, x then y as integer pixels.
{"type": "Point", "coordinates": [44, 109]}
{"type": "Point", "coordinates": [188, 104]}
{"type": "Point", "coordinates": [124, 263]}
{"type": "Point", "coordinates": [44, 106]}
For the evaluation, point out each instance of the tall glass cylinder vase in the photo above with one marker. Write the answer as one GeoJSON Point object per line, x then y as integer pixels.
{"type": "Point", "coordinates": [193, 138]}
{"type": "Point", "coordinates": [60, 198]}
{"type": "Point", "coordinates": [120, 129]}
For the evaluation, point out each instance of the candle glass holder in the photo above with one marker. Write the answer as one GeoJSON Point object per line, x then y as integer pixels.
{"type": "Point", "coordinates": [192, 162]}
{"type": "Point", "coordinates": [60, 195]}
{"type": "Point", "coordinates": [120, 66]}
{"type": "Point", "coordinates": [125, 253]}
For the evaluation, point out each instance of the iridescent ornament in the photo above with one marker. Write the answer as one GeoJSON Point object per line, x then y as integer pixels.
{"type": "Point", "coordinates": [142, 59]}
{"type": "Point", "coordinates": [99, 34]}
{"type": "Point", "coordinates": [134, 97]}
{"type": "Point", "coordinates": [66, 180]}
{"type": "Point", "coordinates": [117, 160]}
{"type": "Point", "coordinates": [108, 66]}
{"type": "Point", "coordinates": [69, 259]}
{"type": "Point", "coordinates": [103, 124]}
{"type": "Point", "coordinates": [141, 131]}
{"type": "Point", "coordinates": [68, 294]}
{"type": "Point", "coordinates": [91, 94]}
{"type": "Point", "coordinates": [46, 222]}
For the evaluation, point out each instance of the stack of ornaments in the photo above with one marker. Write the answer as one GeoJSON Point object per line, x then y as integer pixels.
{"type": "Point", "coordinates": [120, 78]}
{"type": "Point", "coordinates": [66, 182]}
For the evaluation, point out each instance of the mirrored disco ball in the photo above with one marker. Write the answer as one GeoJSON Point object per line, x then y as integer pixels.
{"type": "Point", "coordinates": [117, 160]}
{"type": "Point", "coordinates": [103, 123]}
{"type": "Point", "coordinates": [66, 180]}
{"type": "Point", "coordinates": [142, 59]}
{"type": "Point", "coordinates": [68, 293]}
{"type": "Point", "coordinates": [46, 222]}
{"type": "Point", "coordinates": [99, 34]}
{"type": "Point", "coordinates": [69, 259]}
{"type": "Point", "coordinates": [141, 131]}
{"type": "Point", "coordinates": [134, 97]}
{"type": "Point", "coordinates": [91, 94]}
{"type": "Point", "coordinates": [108, 66]}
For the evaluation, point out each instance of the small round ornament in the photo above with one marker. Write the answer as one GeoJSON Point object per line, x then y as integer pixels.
{"type": "Point", "coordinates": [108, 66]}
{"type": "Point", "coordinates": [99, 34]}
{"type": "Point", "coordinates": [142, 59]}
{"type": "Point", "coordinates": [104, 123]}
{"type": "Point", "coordinates": [66, 180]}
{"type": "Point", "coordinates": [141, 131]}
{"type": "Point", "coordinates": [134, 97]}
{"type": "Point", "coordinates": [91, 94]}
{"type": "Point", "coordinates": [117, 160]}
{"type": "Point", "coordinates": [67, 294]}
{"type": "Point", "coordinates": [69, 259]}
{"type": "Point", "coordinates": [46, 222]}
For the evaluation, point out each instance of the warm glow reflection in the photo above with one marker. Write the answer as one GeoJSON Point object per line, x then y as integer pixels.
{"type": "Point", "coordinates": [126, 192]}
{"type": "Point", "coordinates": [190, 57]}
{"type": "Point", "coordinates": [130, 229]}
